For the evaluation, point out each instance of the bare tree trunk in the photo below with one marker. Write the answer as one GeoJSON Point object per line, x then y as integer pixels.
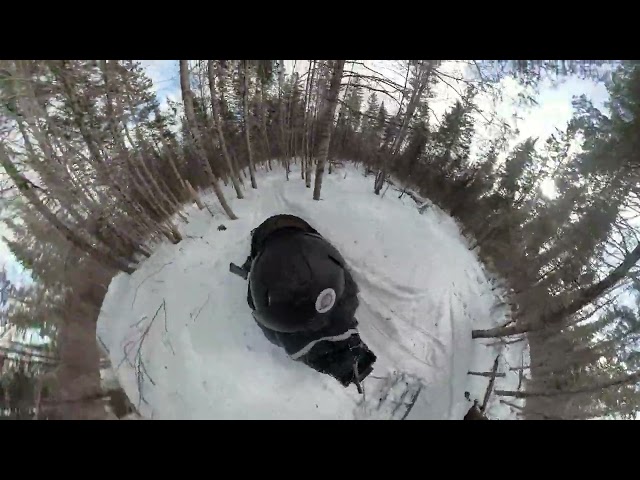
{"type": "Point", "coordinates": [159, 197]}
{"type": "Point", "coordinates": [487, 394]}
{"type": "Point", "coordinates": [95, 155]}
{"type": "Point", "coordinates": [222, 74]}
{"type": "Point", "coordinates": [51, 169]}
{"type": "Point", "coordinates": [187, 97]}
{"type": "Point", "coordinates": [93, 144]}
{"type": "Point", "coordinates": [305, 123]}
{"type": "Point", "coordinates": [283, 140]}
{"type": "Point", "coordinates": [247, 122]}
{"type": "Point", "coordinates": [314, 126]}
{"type": "Point", "coordinates": [194, 195]}
{"type": "Point", "coordinates": [217, 123]}
{"type": "Point", "coordinates": [324, 124]}
{"type": "Point", "coordinates": [263, 125]}
{"type": "Point", "coordinates": [147, 191]}
{"type": "Point", "coordinates": [308, 126]}
{"type": "Point", "coordinates": [170, 154]}
{"type": "Point", "coordinates": [284, 146]}
{"type": "Point", "coordinates": [52, 178]}
{"type": "Point", "coordinates": [78, 374]}
{"type": "Point", "coordinates": [160, 158]}
{"type": "Point", "coordinates": [424, 74]}
{"type": "Point", "coordinates": [596, 386]}
{"type": "Point", "coordinates": [581, 298]}
{"type": "Point", "coordinates": [291, 137]}
{"type": "Point", "coordinates": [24, 186]}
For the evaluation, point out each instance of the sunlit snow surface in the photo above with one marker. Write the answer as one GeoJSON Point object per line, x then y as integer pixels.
{"type": "Point", "coordinates": [421, 293]}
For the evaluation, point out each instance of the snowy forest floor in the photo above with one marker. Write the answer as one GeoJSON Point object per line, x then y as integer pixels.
{"type": "Point", "coordinates": [184, 345]}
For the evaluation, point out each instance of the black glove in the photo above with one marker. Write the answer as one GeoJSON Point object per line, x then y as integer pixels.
{"type": "Point", "coordinates": [342, 359]}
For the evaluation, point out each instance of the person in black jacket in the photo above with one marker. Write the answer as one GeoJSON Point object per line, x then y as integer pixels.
{"type": "Point", "coordinates": [304, 298]}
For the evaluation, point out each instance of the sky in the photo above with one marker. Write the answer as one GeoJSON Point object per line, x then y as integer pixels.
{"type": "Point", "coordinates": [553, 111]}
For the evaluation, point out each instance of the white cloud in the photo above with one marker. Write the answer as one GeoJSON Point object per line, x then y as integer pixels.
{"type": "Point", "coordinates": [165, 75]}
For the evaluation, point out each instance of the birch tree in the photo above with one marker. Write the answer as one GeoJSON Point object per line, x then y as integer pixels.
{"type": "Point", "coordinates": [325, 123]}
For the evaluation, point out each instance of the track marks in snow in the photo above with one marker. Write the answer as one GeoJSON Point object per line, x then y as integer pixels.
{"type": "Point", "coordinates": [421, 293]}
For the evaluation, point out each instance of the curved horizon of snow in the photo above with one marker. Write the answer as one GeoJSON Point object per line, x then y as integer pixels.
{"type": "Point", "coordinates": [184, 344]}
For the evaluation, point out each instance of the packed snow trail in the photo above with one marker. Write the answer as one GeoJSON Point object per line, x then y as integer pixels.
{"type": "Point", "coordinates": [202, 355]}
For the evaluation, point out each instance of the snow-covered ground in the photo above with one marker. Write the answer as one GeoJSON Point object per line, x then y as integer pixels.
{"type": "Point", "coordinates": [184, 344]}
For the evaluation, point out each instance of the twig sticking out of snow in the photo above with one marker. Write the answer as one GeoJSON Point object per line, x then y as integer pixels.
{"type": "Point", "coordinates": [487, 394]}
{"type": "Point", "coordinates": [412, 403]}
{"type": "Point", "coordinates": [147, 278]}
{"type": "Point", "coordinates": [167, 341]}
{"type": "Point", "coordinates": [138, 365]}
{"type": "Point", "coordinates": [521, 372]}
{"type": "Point", "coordinates": [201, 307]}
{"type": "Point", "coordinates": [209, 210]}
{"type": "Point", "coordinates": [385, 190]}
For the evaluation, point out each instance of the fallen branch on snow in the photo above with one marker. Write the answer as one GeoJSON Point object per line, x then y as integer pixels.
{"type": "Point", "coordinates": [421, 203]}
{"type": "Point", "coordinates": [138, 363]}
{"type": "Point", "coordinates": [487, 394]}
{"type": "Point", "coordinates": [521, 411]}
{"type": "Point", "coordinates": [141, 369]}
{"type": "Point", "coordinates": [135, 295]}
{"type": "Point", "coordinates": [487, 374]}
{"type": "Point", "coordinates": [506, 342]}
{"type": "Point", "coordinates": [521, 372]}
{"type": "Point", "coordinates": [201, 307]}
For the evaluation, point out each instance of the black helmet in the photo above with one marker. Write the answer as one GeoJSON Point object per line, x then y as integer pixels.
{"type": "Point", "coordinates": [296, 281]}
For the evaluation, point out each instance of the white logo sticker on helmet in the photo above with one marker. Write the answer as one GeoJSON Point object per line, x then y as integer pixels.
{"type": "Point", "coordinates": [325, 300]}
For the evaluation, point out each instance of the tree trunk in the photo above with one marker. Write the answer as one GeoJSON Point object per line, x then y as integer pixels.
{"type": "Point", "coordinates": [487, 394]}
{"type": "Point", "coordinates": [53, 179]}
{"type": "Point", "coordinates": [616, 382]}
{"type": "Point", "coordinates": [308, 127]}
{"type": "Point", "coordinates": [104, 173]}
{"type": "Point", "coordinates": [422, 82]}
{"type": "Point", "coordinates": [25, 188]}
{"type": "Point", "coordinates": [222, 75]}
{"type": "Point", "coordinates": [217, 123]}
{"type": "Point", "coordinates": [171, 198]}
{"type": "Point", "coordinates": [187, 97]}
{"type": "Point", "coordinates": [247, 122]}
{"type": "Point", "coordinates": [263, 125]}
{"type": "Point", "coordinates": [170, 155]}
{"type": "Point", "coordinates": [147, 191]}
{"type": "Point", "coordinates": [156, 194]}
{"type": "Point", "coordinates": [582, 297]}
{"type": "Point", "coordinates": [78, 374]}
{"type": "Point", "coordinates": [282, 119]}
{"type": "Point", "coordinates": [94, 145]}
{"type": "Point", "coordinates": [325, 122]}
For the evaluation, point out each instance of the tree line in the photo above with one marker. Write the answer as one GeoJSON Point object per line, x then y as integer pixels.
{"type": "Point", "coordinates": [99, 173]}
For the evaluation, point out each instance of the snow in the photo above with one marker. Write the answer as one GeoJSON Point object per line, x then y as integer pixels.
{"type": "Point", "coordinates": [202, 356]}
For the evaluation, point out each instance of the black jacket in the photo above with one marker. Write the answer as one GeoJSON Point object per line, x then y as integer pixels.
{"type": "Point", "coordinates": [337, 348]}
